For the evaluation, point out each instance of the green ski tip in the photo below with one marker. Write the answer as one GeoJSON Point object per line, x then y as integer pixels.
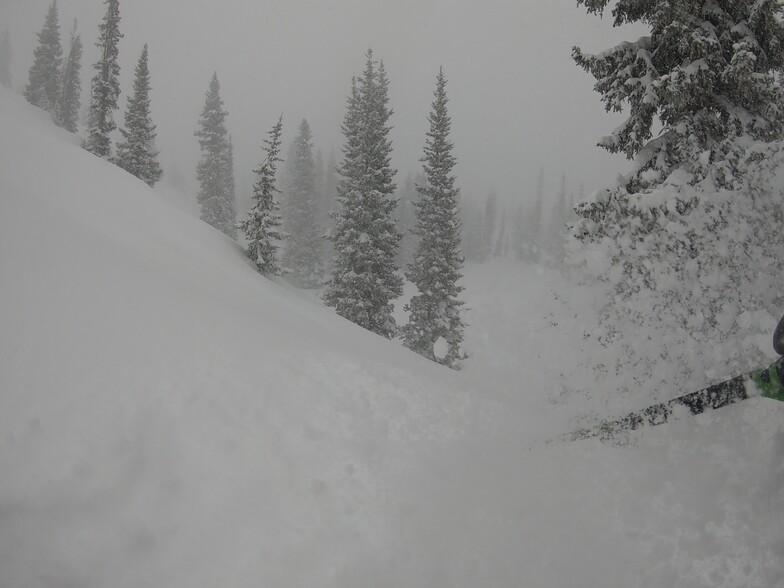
{"type": "Point", "coordinates": [769, 381]}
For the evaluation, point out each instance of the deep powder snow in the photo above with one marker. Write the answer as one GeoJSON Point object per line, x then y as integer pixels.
{"type": "Point", "coordinates": [169, 417]}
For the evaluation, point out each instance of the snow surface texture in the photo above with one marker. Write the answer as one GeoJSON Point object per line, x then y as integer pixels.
{"type": "Point", "coordinates": [168, 417]}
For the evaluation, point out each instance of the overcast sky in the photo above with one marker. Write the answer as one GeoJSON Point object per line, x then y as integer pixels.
{"type": "Point", "coordinates": [517, 100]}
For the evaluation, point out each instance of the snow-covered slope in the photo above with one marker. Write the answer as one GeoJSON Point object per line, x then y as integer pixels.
{"type": "Point", "coordinates": [168, 417]}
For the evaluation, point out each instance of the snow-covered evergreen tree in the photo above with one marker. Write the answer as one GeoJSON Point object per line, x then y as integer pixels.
{"type": "Point", "coordinates": [689, 247]}
{"type": "Point", "coordinates": [435, 326]}
{"type": "Point", "coordinates": [43, 85]}
{"type": "Point", "coordinates": [136, 153]}
{"type": "Point", "coordinates": [365, 277]}
{"type": "Point", "coordinates": [302, 258]}
{"type": "Point", "coordinates": [706, 72]}
{"type": "Point", "coordinates": [215, 171]}
{"type": "Point", "coordinates": [67, 112]}
{"type": "Point", "coordinates": [105, 87]}
{"type": "Point", "coordinates": [5, 60]}
{"type": "Point", "coordinates": [261, 226]}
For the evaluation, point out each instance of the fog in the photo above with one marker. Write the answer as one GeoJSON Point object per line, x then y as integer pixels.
{"type": "Point", "coordinates": [518, 102]}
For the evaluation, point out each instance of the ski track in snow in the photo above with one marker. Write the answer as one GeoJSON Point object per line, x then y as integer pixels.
{"type": "Point", "coordinates": [170, 418]}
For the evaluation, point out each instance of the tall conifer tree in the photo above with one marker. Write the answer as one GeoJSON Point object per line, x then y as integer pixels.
{"type": "Point", "coordinates": [43, 85]}
{"type": "Point", "coordinates": [261, 226]}
{"type": "Point", "coordinates": [105, 87]}
{"type": "Point", "coordinates": [136, 153]}
{"type": "Point", "coordinates": [215, 171]}
{"type": "Point", "coordinates": [67, 113]}
{"type": "Point", "coordinates": [435, 326]}
{"type": "Point", "coordinates": [303, 246]}
{"type": "Point", "coordinates": [365, 277]}
{"type": "Point", "coordinates": [706, 81]}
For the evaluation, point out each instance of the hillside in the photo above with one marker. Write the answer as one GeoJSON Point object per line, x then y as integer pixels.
{"type": "Point", "coordinates": [168, 417]}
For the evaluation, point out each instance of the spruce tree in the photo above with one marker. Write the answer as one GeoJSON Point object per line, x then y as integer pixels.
{"type": "Point", "coordinates": [136, 153]}
{"type": "Point", "coordinates": [365, 277]}
{"type": "Point", "coordinates": [261, 226]}
{"type": "Point", "coordinates": [303, 245]}
{"type": "Point", "coordinates": [105, 87]}
{"type": "Point", "coordinates": [435, 326]}
{"type": "Point", "coordinates": [706, 75]}
{"type": "Point", "coordinates": [5, 60]}
{"type": "Point", "coordinates": [215, 171]}
{"type": "Point", "coordinates": [67, 112]}
{"type": "Point", "coordinates": [682, 243]}
{"type": "Point", "coordinates": [43, 85]}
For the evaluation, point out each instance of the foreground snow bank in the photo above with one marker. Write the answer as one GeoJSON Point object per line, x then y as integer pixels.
{"type": "Point", "coordinates": [170, 418]}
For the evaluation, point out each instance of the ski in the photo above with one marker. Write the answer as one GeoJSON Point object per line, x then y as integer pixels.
{"type": "Point", "coordinates": [766, 383]}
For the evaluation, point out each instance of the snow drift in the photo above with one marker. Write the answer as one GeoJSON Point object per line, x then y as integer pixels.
{"type": "Point", "coordinates": [168, 417]}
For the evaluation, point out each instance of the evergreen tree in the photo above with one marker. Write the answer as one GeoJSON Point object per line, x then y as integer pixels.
{"type": "Point", "coordinates": [67, 113]}
{"type": "Point", "coordinates": [303, 247]}
{"type": "Point", "coordinates": [682, 244]}
{"type": "Point", "coordinates": [43, 85]}
{"type": "Point", "coordinates": [5, 60]}
{"type": "Point", "coordinates": [136, 153]}
{"type": "Point", "coordinates": [435, 326]}
{"type": "Point", "coordinates": [261, 227]}
{"type": "Point", "coordinates": [365, 278]}
{"type": "Point", "coordinates": [105, 87]}
{"type": "Point", "coordinates": [707, 72]}
{"type": "Point", "coordinates": [215, 171]}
